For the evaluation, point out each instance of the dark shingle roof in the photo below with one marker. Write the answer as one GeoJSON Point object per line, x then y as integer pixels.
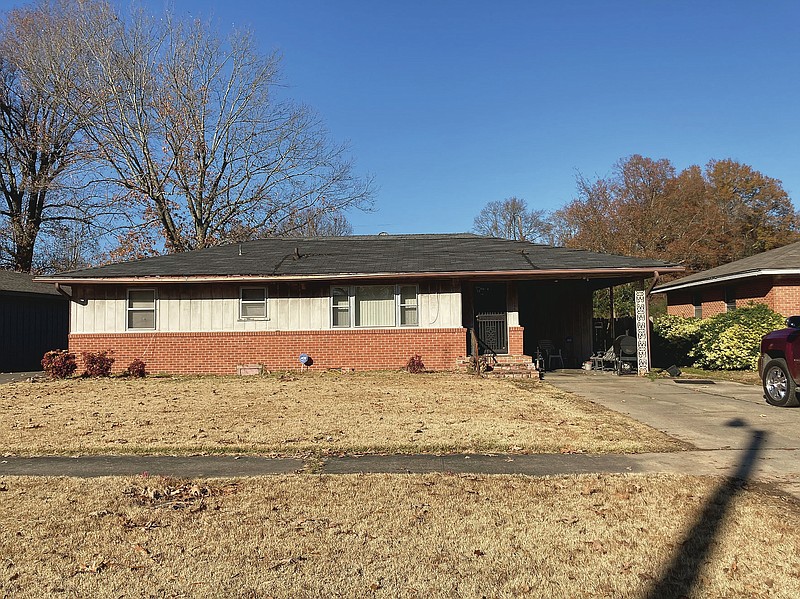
{"type": "Point", "coordinates": [18, 282]}
{"type": "Point", "coordinates": [786, 258]}
{"type": "Point", "coordinates": [365, 255]}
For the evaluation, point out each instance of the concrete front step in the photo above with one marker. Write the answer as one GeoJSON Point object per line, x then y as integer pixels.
{"type": "Point", "coordinates": [507, 366]}
{"type": "Point", "coordinates": [503, 361]}
{"type": "Point", "coordinates": [513, 374]}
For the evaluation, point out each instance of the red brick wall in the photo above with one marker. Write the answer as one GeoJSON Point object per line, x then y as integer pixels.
{"type": "Point", "coordinates": [679, 303]}
{"type": "Point", "coordinates": [515, 343]}
{"type": "Point", "coordinates": [780, 294]}
{"type": "Point", "coordinates": [713, 299]}
{"type": "Point", "coordinates": [220, 353]}
{"type": "Point", "coordinates": [786, 296]}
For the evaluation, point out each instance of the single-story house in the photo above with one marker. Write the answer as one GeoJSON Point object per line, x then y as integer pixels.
{"type": "Point", "coordinates": [364, 302]}
{"type": "Point", "coordinates": [34, 318]}
{"type": "Point", "coordinates": [771, 278]}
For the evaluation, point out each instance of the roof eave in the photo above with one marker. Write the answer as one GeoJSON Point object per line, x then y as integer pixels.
{"type": "Point", "coordinates": [529, 274]}
{"type": "Point", "coordinates": [725, 278]}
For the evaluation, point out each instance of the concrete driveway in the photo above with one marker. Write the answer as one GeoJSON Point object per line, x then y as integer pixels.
{"type": "Point", "coordinates": [729, 423]}
{"type": "Point", "coordinates": [18, 377]}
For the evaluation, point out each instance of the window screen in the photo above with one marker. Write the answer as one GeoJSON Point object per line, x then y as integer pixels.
{"type": "Point", "coordinates": [341, 307]}
{"type": "Point", "coordinates": [408, 305]}
{"type": "Point", "coordinates": [141, 309]}
{"type": "Point", "coordinates": [253, 302]}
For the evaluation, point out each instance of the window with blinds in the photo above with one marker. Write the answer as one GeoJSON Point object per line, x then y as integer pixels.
{"type": "Point", "coordinates": [374, 306]}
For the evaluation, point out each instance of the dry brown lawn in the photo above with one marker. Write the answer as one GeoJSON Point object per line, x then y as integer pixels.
{"type": "Point", "coordinates": [390, 536]}
{"type": "Point", "coordinates": [310, 413]}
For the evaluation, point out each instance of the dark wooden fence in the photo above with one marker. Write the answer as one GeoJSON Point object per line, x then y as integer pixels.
{"type": "Point", "coordinates": [30, 325]}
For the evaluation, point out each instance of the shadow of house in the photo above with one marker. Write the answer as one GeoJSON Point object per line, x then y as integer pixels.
{"type": "Point", "coordinates": [34, 318]}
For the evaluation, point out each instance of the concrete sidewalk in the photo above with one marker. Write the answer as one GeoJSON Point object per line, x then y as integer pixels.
{"type": "Point", "coordinates": [128, 465]}
{"type": "Point", "coordinates": [693, 462]}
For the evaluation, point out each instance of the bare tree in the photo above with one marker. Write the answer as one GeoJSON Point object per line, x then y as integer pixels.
{"type": "Point", "coordinates": [511, 219]}
{"type": "Point", "coordinates": [187, 121]}
{"type": "Point", "coordinates": [67, 245]}
{"type": "Point", "coordinates": [42, 184]}
{"type": "Point", "coordinates": [325, 224]}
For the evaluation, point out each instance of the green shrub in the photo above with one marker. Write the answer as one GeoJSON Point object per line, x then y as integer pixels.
{"type": "Point", "coordinates": [731, 340]}
{"type": "Point", "coordinates": [674, 337]}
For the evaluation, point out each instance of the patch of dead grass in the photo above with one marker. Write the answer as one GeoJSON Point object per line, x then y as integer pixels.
{"type": "Point", "coordinates": [384, 536]}
{"type": "Point", "coordinates": [324, 413]}
{"type": "Point", "coordinates": [747, 377]}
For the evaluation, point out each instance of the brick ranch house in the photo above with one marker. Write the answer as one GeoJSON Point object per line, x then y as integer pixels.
{"type": "Point", "coordinates": [771, 278]}
{"type": "Point", "coordinates": [363, 302]}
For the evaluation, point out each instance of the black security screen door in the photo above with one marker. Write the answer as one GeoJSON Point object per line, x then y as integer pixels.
{"type": "Point", "coordinates": [490, 317]}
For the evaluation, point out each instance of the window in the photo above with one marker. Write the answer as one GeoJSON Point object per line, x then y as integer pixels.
{"type": "Point", "coordinates": [252, 303]}
{"type": "Point", "coordinates": [374, 306]}
{"type": "Point", "coordinates": [341, 307]}
{"type": "Point", "coordinates": [698, 305]}
{"type": "Point", "coordinates": [408, 305]}
{"type": "Point", "coordinates": [142, 309]}
{"type": "Point", "coordinates": [730, 299]}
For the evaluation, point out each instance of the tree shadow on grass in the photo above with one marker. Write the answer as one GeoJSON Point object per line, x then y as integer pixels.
{"type": "Point", "coordinates": [683, 572]}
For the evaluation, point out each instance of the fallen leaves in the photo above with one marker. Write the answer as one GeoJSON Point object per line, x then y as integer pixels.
{"type": "Point", "coordinates": [288, 561]}
{"type": "Point", "coordinates": [597, 546]}
{"type": "Point", "coordinates": [96, 566]}
{"type": "Point", "coordinates": [177, 496]}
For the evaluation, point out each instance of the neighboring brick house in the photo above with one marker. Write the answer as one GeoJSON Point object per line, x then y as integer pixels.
{"type": "Point", "coordinates": [34, 318]}
{"type": "Point", "coordinates": [771, 278]}
{"type": "Point", "coordinates": [364, 302]}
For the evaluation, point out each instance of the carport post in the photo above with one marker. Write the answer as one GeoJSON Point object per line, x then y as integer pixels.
{"type": "Point", "coordinates": [611, 313]}
{"type": "Point", "coordinates": [642, 332]}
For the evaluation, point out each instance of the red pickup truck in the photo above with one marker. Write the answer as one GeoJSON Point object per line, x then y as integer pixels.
{"type": "Point", "coordinates": [779, 365]}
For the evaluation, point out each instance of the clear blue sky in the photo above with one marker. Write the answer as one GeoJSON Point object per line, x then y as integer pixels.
{"type": "Point", "coordinates": [451, 104]}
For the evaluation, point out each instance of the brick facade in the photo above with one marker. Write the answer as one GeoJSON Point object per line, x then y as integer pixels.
{"type": "Point", "coordinates": [220, 353]}
{"type": "Point", "coordinates": [786, 296]}
{"type": "Point", "coordinates": [781, 294]}
{"type": "Point", "coordinates": [515, 341]}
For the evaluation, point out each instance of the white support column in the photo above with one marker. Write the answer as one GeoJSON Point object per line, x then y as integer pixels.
{"type": "Point", "coordinates": [642, 332]}
{"type": "Point", "coordinates": [512, 304]}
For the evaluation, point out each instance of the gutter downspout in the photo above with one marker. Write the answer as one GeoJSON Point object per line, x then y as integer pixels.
{"type": "Point", "coordinates": [656, 277]}
{"type": "Point", "coordinates": [60, 289]}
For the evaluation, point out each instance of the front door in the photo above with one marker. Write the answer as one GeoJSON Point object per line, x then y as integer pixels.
{"type": "Point", "coordinates": [489, 300]}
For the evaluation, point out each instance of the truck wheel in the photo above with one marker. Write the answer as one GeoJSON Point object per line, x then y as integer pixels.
{"type": "Point", "coordinates": [779, 387]}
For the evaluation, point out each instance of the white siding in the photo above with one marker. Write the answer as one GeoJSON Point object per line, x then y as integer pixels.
{"type": "Point", "coordinates": [204, 308]}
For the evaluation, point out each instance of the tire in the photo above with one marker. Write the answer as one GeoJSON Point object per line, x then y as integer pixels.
{"type": "Point", "coordinates": [779, 387]}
